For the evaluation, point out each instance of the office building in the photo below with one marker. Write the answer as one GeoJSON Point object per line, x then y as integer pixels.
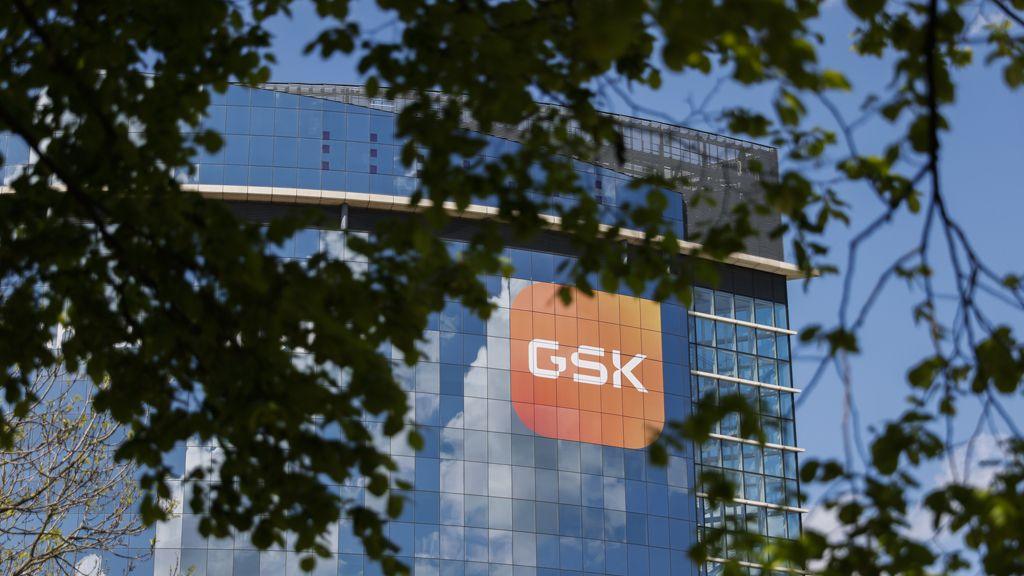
{"type": "Point", "coordinates": [536, 420]}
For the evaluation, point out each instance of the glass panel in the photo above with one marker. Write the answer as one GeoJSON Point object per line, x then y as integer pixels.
{"type": "Point", "coordinates": [766, 373]}
{"type": "Point", "coordinates": [310, 153]}
{"type": "Point", "coordinates": [731, 455]}
{"type": "Point", "coordinates": [705, 359]}
{"type": "Point", "coordinates": [726, 363]}
{"type": "Point", "coordinates": [236, 149]}
{"type": "Point", "coordinates": [334, 126]}
{"type": "Point", "coordinates": [765, 343]}
{"type": "Point", "coordinates": [769, 402]}
{"type": "Point", "coordinates": [285, 151]}
{"type": "Point", "coordinates": [776, 523]}
{"type": "Point", "coordinates": [711, 453]}
{"type": "Point", "coordinates": [784, 375]}
{"type": "Point", "coordinates": [746, 367]}
{"type": "Point", "coordinates": [285, 122]}
{"type": "Point", "coordinates": [773, 462]}
{"type": "Point", "coordinates": [751, 458]}
{"type": "Point", "coordinates": [788, 434]}
{"type": "Point", "coordinates": [311, 124]}
{"type": "Point", "coordinates": [725, 335]}
{"type": "Point", "coordinates": [786, 402]}
{"type": "Point", "coordinates": [774, 491]}
{"type": "Point", "coordinates": [772, 430]}
{"type": "Point", "coordinates": [781, 319]}
{"type": "Point", "coordinates": [261, 151]}
{"type": "Point", "coordinates": [307, 242]}
{"type": "Point", "coordinates": [752, 487]}
{"type": "Point", "coordinates": [723, 304]}
{"type": "Point", "coordinates": [705, 331]}
{"type": "Point", "coordinates": [358, 128]}
{"type": "Point", "coordinates": [782, 346]}
{"type": "Point", "coordinates": [238, 120]}
{"type": "Point", "coordinates": [284, 177]}
{"type": "Point", "coordinates": [793, 519]}
{"type": "Point", "coordinates": [744, 309]}
{"type": "Point", "coordinates": [764, 313]}
{"type": "Point", "coordinates": [383, 127]}
{"type": "Point", "coordinates": [790, 460]}
{"type": "Point", "coordinates": [702, 300]}
{"type": "Point", "coordinates": [745, 339]}
{"type": "Point", "coordinates": [707, 389]}
{"type": "Point", "coordinates": [262, 121]}
{"type": "Point", "coordinates": [357, 157]}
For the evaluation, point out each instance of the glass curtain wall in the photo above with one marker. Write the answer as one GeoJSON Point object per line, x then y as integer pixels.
{"type": "Point", "coordinates": [740, 346]}
{"type": "Point", "coordinates": [492, 497]}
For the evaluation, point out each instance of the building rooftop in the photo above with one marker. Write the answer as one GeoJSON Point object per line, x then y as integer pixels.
{"type": "Point", "coordinates": [716, 164]}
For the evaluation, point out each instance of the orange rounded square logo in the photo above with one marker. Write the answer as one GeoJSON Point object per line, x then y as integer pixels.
{"type": "Point", "coordinates": [588, 371]}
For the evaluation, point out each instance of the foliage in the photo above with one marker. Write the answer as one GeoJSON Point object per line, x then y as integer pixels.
{"type": "Point", "coordinates": [201, 344]}
{"type": "Point", "coordinates": [63, 496]}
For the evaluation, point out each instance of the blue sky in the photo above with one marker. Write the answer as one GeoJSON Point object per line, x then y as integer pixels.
{"type": "Point", "coordinates": [982, 157]}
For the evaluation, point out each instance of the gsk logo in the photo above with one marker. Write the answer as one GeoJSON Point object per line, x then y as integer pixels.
{"type": "Point", "coordinates": [588, 371]}
{"type": "Point", "coordinates": [586, 359]}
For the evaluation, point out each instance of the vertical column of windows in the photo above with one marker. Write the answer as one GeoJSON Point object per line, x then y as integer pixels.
{"type": "Point", "coordinates": [740, 346]}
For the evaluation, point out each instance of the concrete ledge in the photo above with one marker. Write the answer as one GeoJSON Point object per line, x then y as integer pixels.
{"type": "Point", "coordinates": [473, 211]}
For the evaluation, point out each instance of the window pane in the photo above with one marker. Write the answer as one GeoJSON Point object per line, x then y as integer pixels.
{"type": "Point", "coordinates": [726, 363]}
{"type": "Point", "coordinates": [261, 152]}
{"type": "Point", "coordinates": [723, 304]}
{"type": "Point", "coordinates": [702, 300]}
{"type": "Point", "coordinates": [238, 120]}
{"type": "Point", "coordinates": [744, 309]}
{"type": "Point", "coordinates": [358, 127]}
{"type": "Point", "coordinates": [752, 487]}
{"type": "Point", "coordinates": [711, 455]}
{"type": "Point", "coordinates": [262, 121]}
{"type": "Point", "coordinates": [773, 462]}
{"type": "Point", "coordinates": [705, 359]}
{"type": "Point", "coordinates": [782, 346]}
{"type": "Point", "coordinates": [707, 389]}
{"type": "Point", "coordinates": [311, 123]}
{"type": "Point", "coordinates": [781, 319]}
{"type": "Point", "coordinates": [334, 125]}
{"type": "Point", "coordinates": [731, 455]}
{"type": "Point", "coordinates": [764, 313]}
{"type": "Point", "coordinates": [705, 331]}
{"type": "Point", "coordinates": [357, 157]}
{"type": "Point", "coordinates": [746, 367]}
{"type": "Point", "coordinates": [769, 402]}
{"type": "Point", "coordinates": [745, 339]}
{"type": "Point", "coordinates": [725, 335]}
{"type": "Point", "coordinates": [766, 373]}
{"type": "Point", "coordinates": [752, 458]}
{"type": "Point", "coordinates": [236, 149]}
{"type": "Point", "coordinates": [789, 458]}
{"type": "Point", "coordinates": [765, 343]}
{"type": "Point", "coordinates": [285, 122]}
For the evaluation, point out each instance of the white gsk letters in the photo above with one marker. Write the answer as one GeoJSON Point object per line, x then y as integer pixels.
{"type": "Point", "coordinates": [585, 359]}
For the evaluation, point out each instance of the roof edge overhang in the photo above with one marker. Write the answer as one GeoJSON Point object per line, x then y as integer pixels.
{"type": "Point", "coordinates": [385, 202]}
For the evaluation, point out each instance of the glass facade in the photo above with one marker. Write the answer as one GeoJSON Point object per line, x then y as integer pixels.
{"type": "Point", "coordinates": [280, 140]}
{"type": "Point", "coordinates": [740, 346]}
{"type": "Point", "coordinates": [535, 421]}
{"type": "Point", "coordinates": [491, 495]}
{"type": "Point", "coordinates": [275, 139]}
